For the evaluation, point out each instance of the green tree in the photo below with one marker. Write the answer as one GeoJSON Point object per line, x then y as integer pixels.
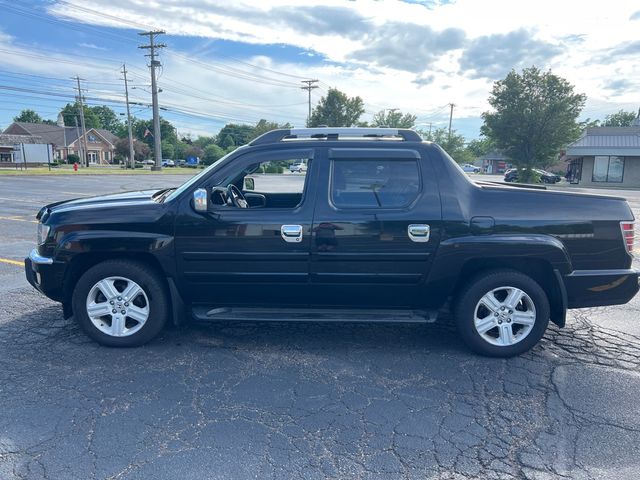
{"type": "Point", "coordinates": [227, 141]}
{"type": "Point", "coordinates": [239, 133]}
{"type": "Point", "coordinates": [336, 109]}
{"type": "Point", "coordinates": [180, 149]}
{"type": "Point", "coordinates": [193, 151]}
{"type": "Point", "coordinates": [480, 146]}
{"type": "Point", "coordinates": [619, 119]}
{"type": "Point", "coordinates": [453, 144]}
{"type": "Point", "coordinates": [212, 153]}
{"type": "Point", "coordinates": [167, 131]}
{"type": "Point", "coordinates": [168, 150]}
{"type": "Point", "coordinates": [71, 113]}
{"type": "Point", "coordinates": [108, 119]}
{"type": "Point", "coordinates": [141, 150]}
{"type": "Point", "coordinates": [122, 147]}
{"type": "Point", "coordinates": [263, 126]}
{"type": "Point", "coordinates": [203, 141]}
{"type": "Point", "coordinates": [393, 118]}
{"type": "Point", "coordinates": [534, 116]}
{"type": "Point", "coordinates": [31, 116]}
{"type": "Point", "coordinates": [588, 123]}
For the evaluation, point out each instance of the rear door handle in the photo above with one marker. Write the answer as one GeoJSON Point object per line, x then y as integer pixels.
{"type": "Point", "coordinates": [291, 233]}
{"type": "Point", "coordinates": [419, 232]}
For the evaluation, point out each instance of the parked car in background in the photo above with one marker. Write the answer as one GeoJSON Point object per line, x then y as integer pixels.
{"type": "Point", "coordinates": [298, 168]}
{"type": "Point", "coordinates": [511, 175]}
{"type": "Point", "coordinates": [181, 162]}
{"type": "Point", "coordinates": [469, 168]}
{"type": "Point", "coordinates": [149, 161]}
{"type": "Point", "coordinates": [166, 162]}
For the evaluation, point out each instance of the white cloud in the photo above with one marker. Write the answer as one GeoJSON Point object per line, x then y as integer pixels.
{"type": "Point", "coordinates": [413, 56]}
{"type": "Point", "coordinates": [91, 45]}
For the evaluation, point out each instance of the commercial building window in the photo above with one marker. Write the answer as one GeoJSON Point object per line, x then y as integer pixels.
{"type": "Point", "coordinates": [374, 183]}
{"type": "Point", "coordinates": [608, 169]}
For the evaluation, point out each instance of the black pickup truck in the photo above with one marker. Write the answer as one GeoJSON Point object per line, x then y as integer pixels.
{"type": "Point", "coordinates": [378, 226]}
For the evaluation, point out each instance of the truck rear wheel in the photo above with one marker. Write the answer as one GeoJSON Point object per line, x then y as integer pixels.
{"type": "Point", "coordinates": [120, 303]}
{"type": "Point", "coordinates": [502, 313]}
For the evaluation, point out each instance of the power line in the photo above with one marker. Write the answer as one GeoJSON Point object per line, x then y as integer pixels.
{"type": "Point", "coordinates": [224, 69]}
{"type": "Point", "coordinates": [139, 25]}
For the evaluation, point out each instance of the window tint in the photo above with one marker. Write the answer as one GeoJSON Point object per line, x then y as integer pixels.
{"type": "Point", "coordinates": [374, 183]}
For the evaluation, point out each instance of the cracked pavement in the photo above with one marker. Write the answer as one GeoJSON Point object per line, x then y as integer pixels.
{"type": "Point", "coordinates": [285, 400]}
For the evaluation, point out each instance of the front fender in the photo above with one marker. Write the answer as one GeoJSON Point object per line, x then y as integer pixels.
{"type": "Point", "coordinates": [113, 242]}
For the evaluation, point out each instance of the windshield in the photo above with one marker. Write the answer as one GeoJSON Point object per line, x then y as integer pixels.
{"type": "Point", "coordinates": [193, 180]}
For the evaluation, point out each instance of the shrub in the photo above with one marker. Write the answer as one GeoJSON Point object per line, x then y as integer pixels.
{"type": "Point", "coordinates": [73, 158]}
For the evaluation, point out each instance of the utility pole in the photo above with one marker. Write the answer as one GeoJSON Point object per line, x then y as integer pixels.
{"type": "Point", "coordinates": [157, 141]}
{"type": "Point", "coordinates": [75, 120]}
{"type": "Point", "coordinates": [126, 96]}
{"type": "Point", "coordinates": [84, 159]}
{"type": "Point", "coordinates": [451, 118]}
{"type": "Point", "coordinates": [310, 85]}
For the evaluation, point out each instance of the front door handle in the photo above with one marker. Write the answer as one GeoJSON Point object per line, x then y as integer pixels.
{"type": "Point", "coordinates": [291, 233]}
{"type": "Point", "coordinates": [419, 232]}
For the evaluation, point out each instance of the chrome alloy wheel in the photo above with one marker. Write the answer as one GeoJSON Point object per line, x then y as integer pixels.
{"type": "Point", "coordinates": [504, 316]}
{"type": "Point", "coordinates": [117, 306]}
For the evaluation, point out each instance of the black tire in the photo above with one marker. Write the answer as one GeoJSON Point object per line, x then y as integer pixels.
{"type": "Point", "coordinates": [469, 297]}
{"type": "Point", "coordinates": [150, 282]}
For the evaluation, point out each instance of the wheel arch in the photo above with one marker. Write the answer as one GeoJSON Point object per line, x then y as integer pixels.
{"type": "Point", "coordinates": [540, 256]}
{"type": "Point", "coordinates": [538, 269]}
{"type": "Point", "coordinates": [82, 262]}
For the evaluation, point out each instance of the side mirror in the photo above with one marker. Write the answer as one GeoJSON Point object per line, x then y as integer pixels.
{"type": "Point", "coordinates": [200, 200]}
{"type": "Point", "coordinates": [249, 184]}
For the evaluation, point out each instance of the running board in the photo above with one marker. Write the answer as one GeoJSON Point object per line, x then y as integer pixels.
{"type": "Point", "coordinates": [204, 313]}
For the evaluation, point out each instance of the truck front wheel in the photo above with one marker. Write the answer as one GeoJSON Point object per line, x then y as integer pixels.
{"type": "Point", "coordinates": [502, 313]}
{"type": "Point", "coordinates": [120, 303]}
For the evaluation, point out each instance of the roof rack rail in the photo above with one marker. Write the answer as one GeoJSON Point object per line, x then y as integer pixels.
{"type": "Point", "coordinates": [331, 133]}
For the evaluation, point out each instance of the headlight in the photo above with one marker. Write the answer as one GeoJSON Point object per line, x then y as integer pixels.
{"type": "Point", "coordinates": [43, 233]}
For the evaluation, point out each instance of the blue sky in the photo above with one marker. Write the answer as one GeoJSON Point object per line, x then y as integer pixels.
{"type": "Point", "coordinates": [243, 61]}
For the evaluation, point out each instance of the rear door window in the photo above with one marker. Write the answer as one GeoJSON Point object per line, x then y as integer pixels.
{"type": "Point", "coordinates": [374, 183]}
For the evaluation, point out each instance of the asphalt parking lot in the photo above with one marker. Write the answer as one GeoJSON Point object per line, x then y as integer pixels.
{"type": "Point", "coordinates": [282, 401]}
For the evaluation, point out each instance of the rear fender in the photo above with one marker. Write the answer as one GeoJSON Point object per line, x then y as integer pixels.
{"type": "Point", "coordinates": [543, 257]}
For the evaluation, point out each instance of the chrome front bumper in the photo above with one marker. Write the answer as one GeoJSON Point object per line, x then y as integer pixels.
{"type": "Point", "coordinates": [38, 259]}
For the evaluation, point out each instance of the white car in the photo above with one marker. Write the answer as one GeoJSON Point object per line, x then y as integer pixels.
{"type": "Point", "coordinates": [297, 168]}
{"type": "Point", "coordinates": [467, 167]}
